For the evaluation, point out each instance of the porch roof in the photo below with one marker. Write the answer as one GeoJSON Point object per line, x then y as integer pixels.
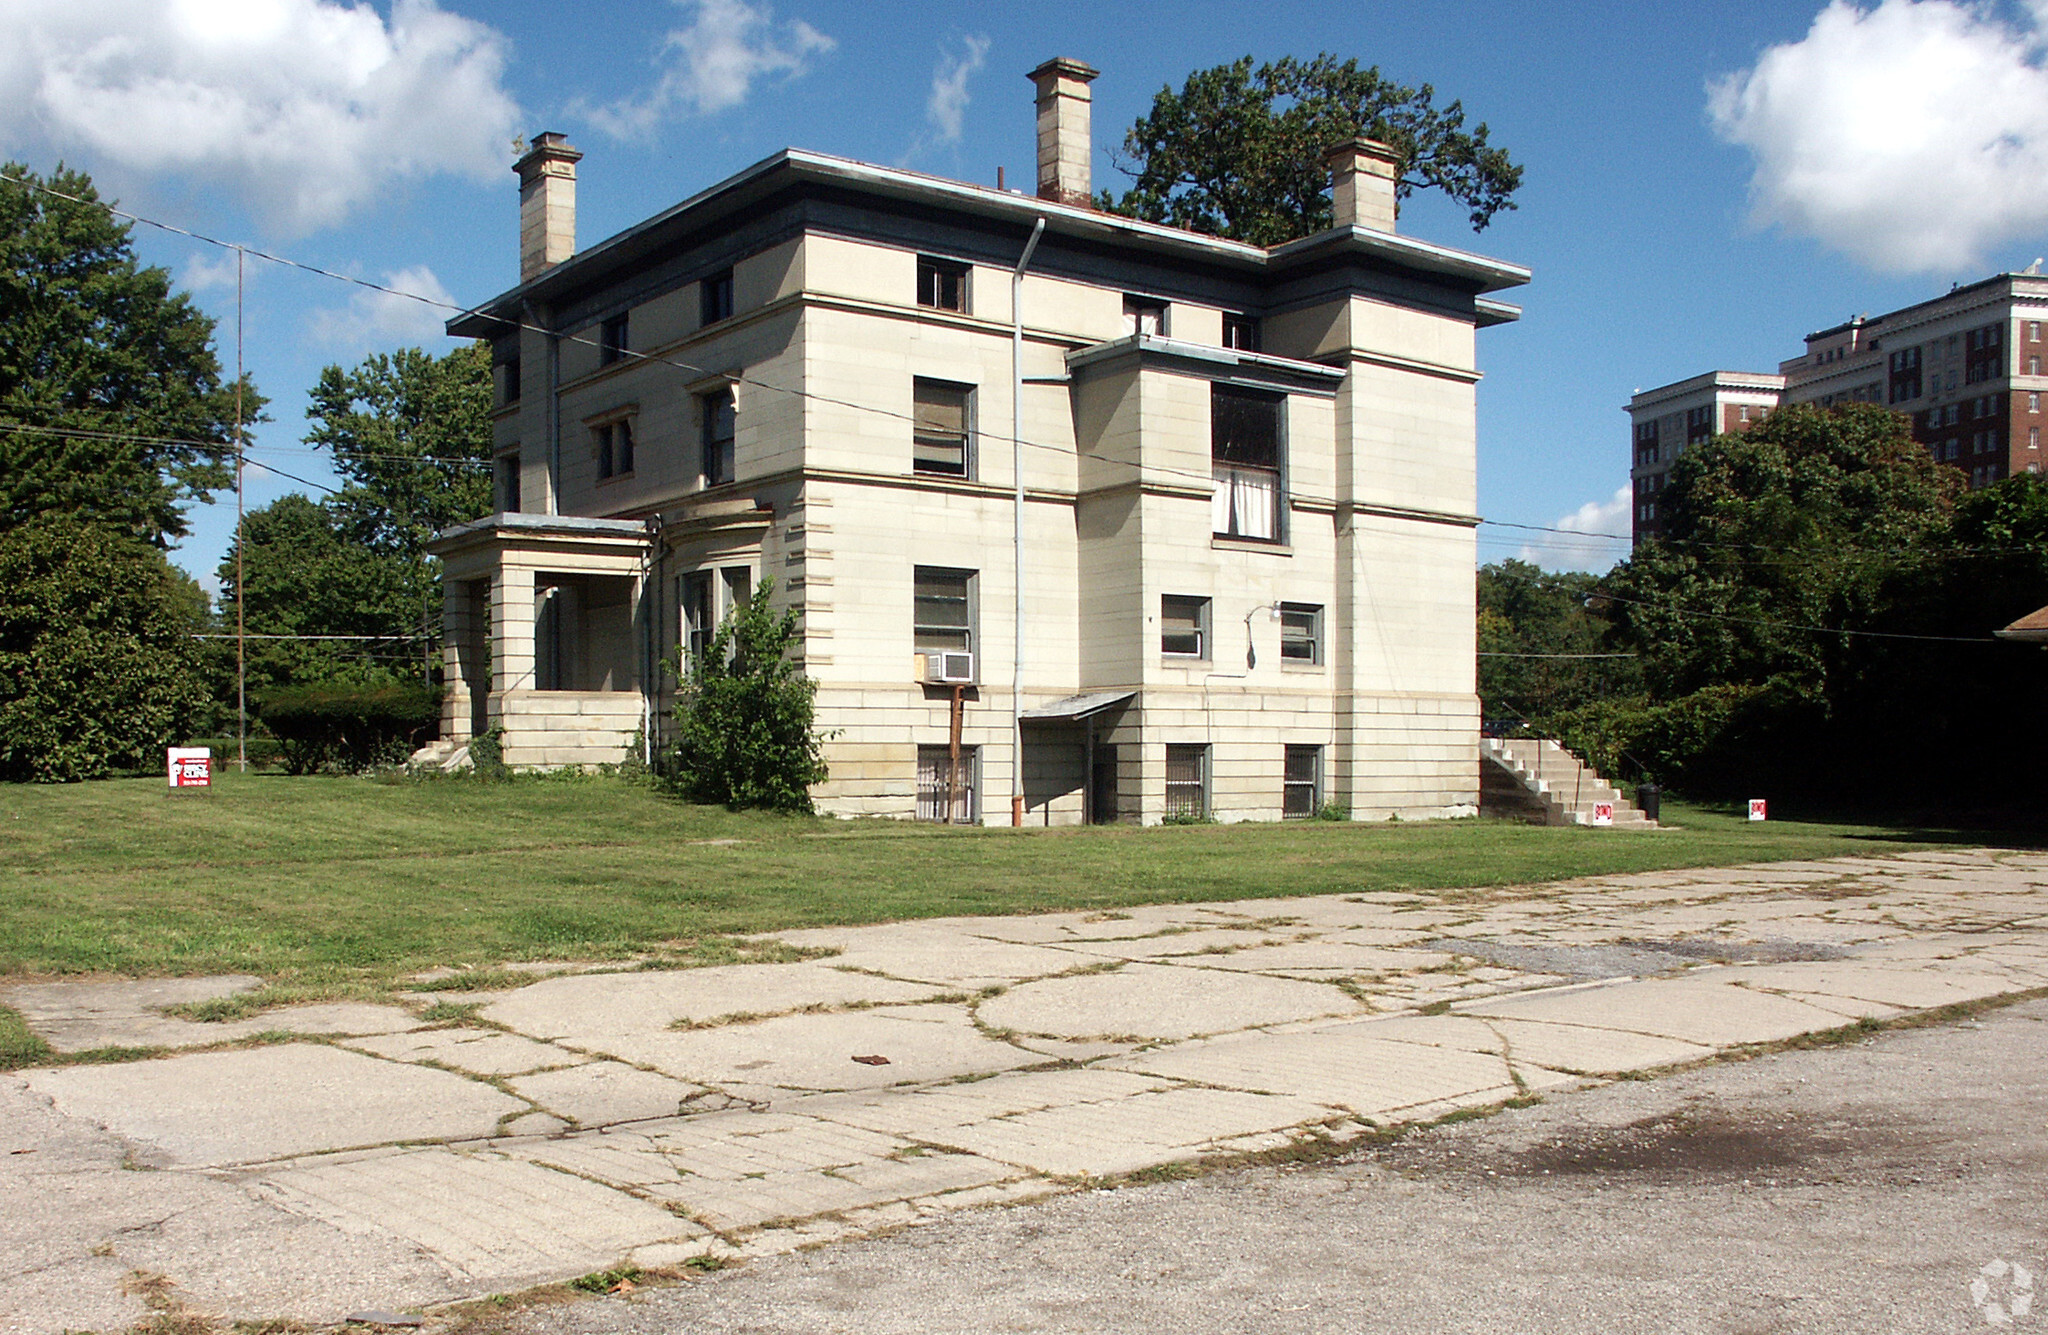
{"type": "Point", "coordinates": [1077, 707]}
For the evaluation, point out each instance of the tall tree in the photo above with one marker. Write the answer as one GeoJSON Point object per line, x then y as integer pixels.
{"type": "Point", "coordinates": [1239, 152]}
{"type": "Point", "coordinates": [305, 576]}
{"type": "Point", "coordinates": [1531, 624]}
{"type": "Point", "coordinates": [1802, 521]}
{"type": "Point", "coordinates": [411, 433]}
{"type": "Point", "coordinates": [112, 406]}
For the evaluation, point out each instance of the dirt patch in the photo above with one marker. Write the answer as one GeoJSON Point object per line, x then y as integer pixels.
{"type": "Point", "coordinates": [1690, 1143]}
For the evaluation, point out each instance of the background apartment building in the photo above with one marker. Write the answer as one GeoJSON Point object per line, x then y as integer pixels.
{"type": "Point", "coordinates": [1085, 519]}
{"type": "Point", "coordinates": [1964, 367]}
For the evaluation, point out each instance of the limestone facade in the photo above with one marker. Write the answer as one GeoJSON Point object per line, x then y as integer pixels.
{"type": "Point", "coordinates": [1247, 499]}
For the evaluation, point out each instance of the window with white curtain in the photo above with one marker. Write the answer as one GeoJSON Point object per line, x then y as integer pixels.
{"type": "Point", "coordinates": [1246, 452]}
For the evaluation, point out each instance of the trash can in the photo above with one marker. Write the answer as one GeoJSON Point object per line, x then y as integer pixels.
{"type": "Point", "coordinates": [1647, 797]}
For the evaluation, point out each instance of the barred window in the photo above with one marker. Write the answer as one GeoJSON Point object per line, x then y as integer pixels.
{"type": "Point", "coordinates": [945, 793]}
{"type": "Point", "coordinates": [1187, 780]}
{"type": "Point", "coordinates": [1301, 782]}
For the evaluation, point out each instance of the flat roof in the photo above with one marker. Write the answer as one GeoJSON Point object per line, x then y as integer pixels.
{"type": "Point", "coordinates": [792, 166]}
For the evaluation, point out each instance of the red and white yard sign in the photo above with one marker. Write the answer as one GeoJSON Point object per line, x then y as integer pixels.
{"type": "Point", "coordinates": [1603, 813]}
{"type": "Point", "coordinates": [1756, 808]}
{"type": "Point", "coordinates": [189, 766]}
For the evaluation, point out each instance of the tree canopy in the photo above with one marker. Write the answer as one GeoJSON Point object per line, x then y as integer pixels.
{"type": "Point", "coordinates": [1240, 152]}
{"type": "Point", "coordinates": [411, 433]}
{"type": "Point", "coordinates": [112, 406]}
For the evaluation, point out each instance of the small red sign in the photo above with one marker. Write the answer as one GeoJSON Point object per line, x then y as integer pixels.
{"type": "Point", "coordinates": [189, 766]}
{"type": "Point", "coordinates": [1603, 813]}
{"type": "Point", "coordinates": [1756, 809]}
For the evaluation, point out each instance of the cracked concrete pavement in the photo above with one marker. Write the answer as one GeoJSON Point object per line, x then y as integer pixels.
{"type": "Point", "coordinates": [596, 1117]}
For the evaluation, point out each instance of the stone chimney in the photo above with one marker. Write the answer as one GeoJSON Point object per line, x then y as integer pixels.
{"type": "Point", "coordinates": [547, 204]}
{"type": "Point", "coordinates": [1362, 177]}
{"type": "Point", "coordinates": [1064, 145]}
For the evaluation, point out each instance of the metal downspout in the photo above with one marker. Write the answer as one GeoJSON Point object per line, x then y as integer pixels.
{"type": "Point", "coordinates": [1017, 523]}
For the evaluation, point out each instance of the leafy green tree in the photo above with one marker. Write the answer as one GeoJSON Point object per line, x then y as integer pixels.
{"type": "Point", "coordinates": [1801, 522]}
{"type": "Point", "coordinates": [1240, 152]}
{"type": "Point", "coordinates": [98, 667]}
{"type": "Point", "coordinates": [411, 433]}
{"type": "Point", "coordinates": [744, 716]}
{"type": "Point", "coordinates": [1540, 619]}
{"type": "Point", "coordinates": [112, 406]}
{"type": "Point", "coordinates": [306, 575]}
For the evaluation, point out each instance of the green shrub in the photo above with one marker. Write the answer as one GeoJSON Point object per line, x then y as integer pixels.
{"type": "Point", "coordinates": [348, 727]}
{"type": "Point", "coordinates": [744, 735]}
{"type": "Point", "coordinates": [98, 664]}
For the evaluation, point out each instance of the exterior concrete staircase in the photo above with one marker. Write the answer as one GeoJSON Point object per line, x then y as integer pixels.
{"type": "Point", "coordinates": [1554, 784]}
{"type": "Point", "coordinates": [444, 755]}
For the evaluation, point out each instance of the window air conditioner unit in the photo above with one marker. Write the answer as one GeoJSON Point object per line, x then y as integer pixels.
{"type": "Point", "coordinates": [952, 668]}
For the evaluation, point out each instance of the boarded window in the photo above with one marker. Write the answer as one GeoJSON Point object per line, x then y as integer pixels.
{"type": "Point", "coordinates": [942, 417]}
{"type": "Point", "coordinates": [1187, 781]}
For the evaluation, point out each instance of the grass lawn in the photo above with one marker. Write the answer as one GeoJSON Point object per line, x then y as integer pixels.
{"type": "Point", "coordinates": [336, 884]}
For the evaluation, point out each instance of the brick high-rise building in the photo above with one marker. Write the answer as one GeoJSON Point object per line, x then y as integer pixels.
{"type": "Point", "coordinates": [1965, 368]}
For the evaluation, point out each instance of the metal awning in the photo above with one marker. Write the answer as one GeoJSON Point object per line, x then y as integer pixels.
{"type": "Point", "coordinates": [1074, 708]}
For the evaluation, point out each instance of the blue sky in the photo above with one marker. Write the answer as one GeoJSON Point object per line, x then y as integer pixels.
{"type": "Point", "coordinates": [1705, 183]}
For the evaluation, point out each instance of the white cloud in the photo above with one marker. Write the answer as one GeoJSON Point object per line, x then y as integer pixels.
{"type": "Point", "coordinates": [947, 107]}
{"type": "Point", "coordinates": [1912, 136]}
{"type": "Point", "coordinates": [1561, 551]}
{"type": "Point", "coordinates": [208, 270]}
{"type": "Point", "coordinates": [712, 64]}
{"type": "Point", "coordinates": [375, 319]}
{"type": "Point", "coordinates": [306, 110]}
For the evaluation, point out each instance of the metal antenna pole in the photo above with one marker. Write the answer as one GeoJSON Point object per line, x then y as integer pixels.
{"type": "Point", "coordinates": [241, 585]}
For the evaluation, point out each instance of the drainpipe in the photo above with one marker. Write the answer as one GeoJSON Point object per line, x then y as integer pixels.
{"type": "Point", "coordinates": [1017, 522]}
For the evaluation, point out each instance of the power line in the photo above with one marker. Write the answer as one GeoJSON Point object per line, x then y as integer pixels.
{"type": "Point", "coordinates": [1791, 625]}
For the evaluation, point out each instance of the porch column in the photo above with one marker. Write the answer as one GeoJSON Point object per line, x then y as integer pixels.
{"type": "Point", "coordinates": [512, 617]}
{"type": "Point", "coordinates": [461, 643]}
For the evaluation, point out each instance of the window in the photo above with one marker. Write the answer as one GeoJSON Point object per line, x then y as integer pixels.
{"type": "Point", "coordinates": [1241, 332]}
{"type": "Point", "coordinates": [1952, 414]}
{"type": "Point", "coordinates": [2033, 438]}
{"type": "Point", "coordinates": [1183, 626]}
{"type": "Point", "coordinates": [508, 483]}
{"type": "Point", "coordinates": [2033, 366]}
{"type": "Point", "coordinates": [613, 442]}
{"type": "Point", "coordinates": [719, 429]}
{"type": "Point", "coordinates": [942, 423]}
{"type": "Point", "coordinates": [1187, 782]}
{"type": "Point", "coordinates": [1301, 633]}
{"type": "Point", "coordinates": [2033, 403]}
{"type": "Point", "coordinates": [700, 617]}
{"type": "Point", "coordinates": [1145, 315]}
{"type": "Point", "coordinates": [714, 298]}
{"type": "Point", "coordinates": [611, 340]}
{"type": "Point", "coordinates": [1301, 782]}
{"type": "Point", "coordinates": [2033, 331]}
{"type": "Point", "coordinates": [1245, 452]}
{"type": "Point", "coordinates": [943, 614]}
{"type": "Point", "coordinates": [505, 382]}
{"type": "Point", "coordinates": [738, 583]}
{"type": "Point", "coordinates": [941, 284]}
{"type": "Point", "coordinates": [945, 792]}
